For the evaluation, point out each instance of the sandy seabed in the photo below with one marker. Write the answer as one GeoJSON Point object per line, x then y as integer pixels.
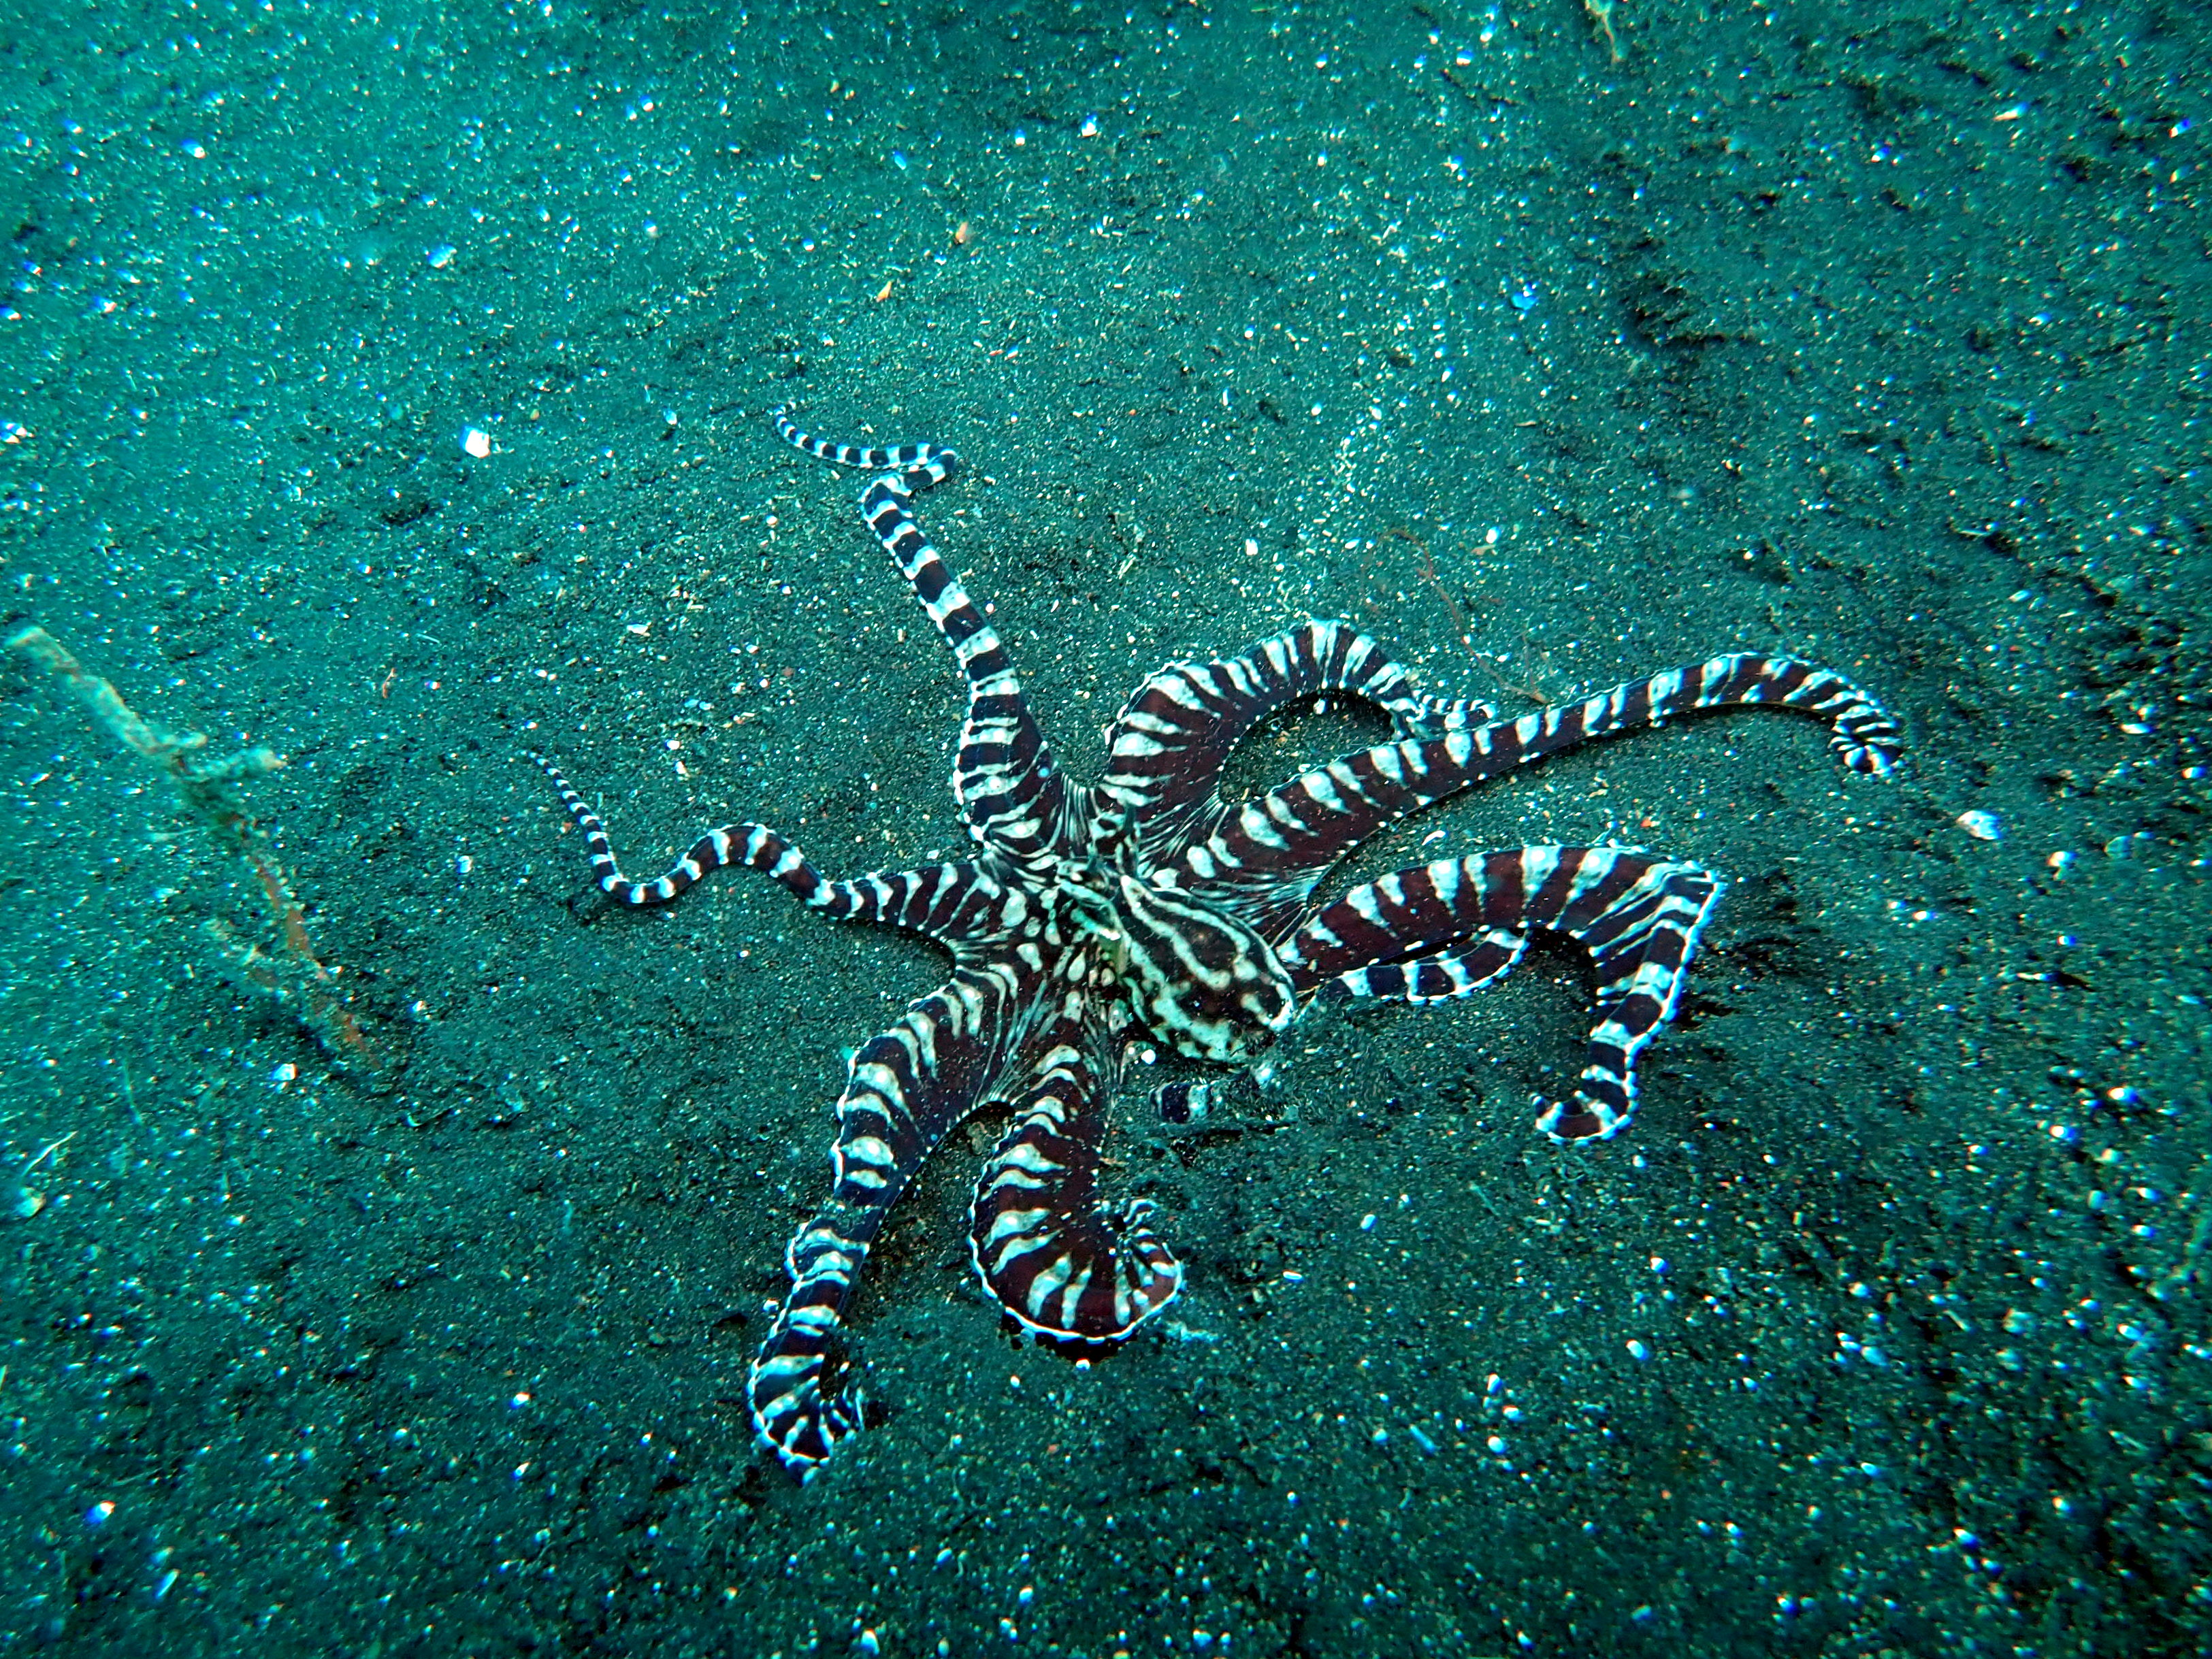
{"type": "Point", "coordinates": [387, 388]}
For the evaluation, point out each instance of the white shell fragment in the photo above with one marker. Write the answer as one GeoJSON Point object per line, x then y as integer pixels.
{"type": "Point", "coordinates": [1981, 826]}
{"type": "Point", "coordinates": [477, 442]}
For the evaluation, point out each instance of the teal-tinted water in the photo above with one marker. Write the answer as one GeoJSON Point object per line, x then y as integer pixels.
{"type": "Point", "coordinates": [1874, 334]}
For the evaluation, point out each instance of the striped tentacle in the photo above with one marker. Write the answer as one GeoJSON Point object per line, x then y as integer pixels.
{"type": "Point", "coordinates": [1263, 862]}
{"type": "Point", "coordinates": [940, 902]}
{"type": "Point", "coordinates": [1439, 977]}
{"type": "Point", "coordinates": [1062, 1263]}
{"type": "Point", "coordinates": [1004, 776]}
{"type": "Point", "coordinates": [918, 465]}
{"type": "Point", "coordinates": [1450, 927]}
{"type": "Point", "coordinates": [907, 1089]}
{"type": "Point", "coordinates": [1167, 747]}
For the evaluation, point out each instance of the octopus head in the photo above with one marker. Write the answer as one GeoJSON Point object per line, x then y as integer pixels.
{"type": "Point", "coordinates": [1199, 978]}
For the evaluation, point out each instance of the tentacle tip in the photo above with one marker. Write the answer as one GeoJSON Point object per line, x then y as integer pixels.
{"type": "Point", "coordinates": [1566, 1121]}
{"type": "Point", "coordinates": [808, 1442]}
{"type": "Point", "coordinates": [1878, 759]}
{"type": "Point", "coordinates": [801, 1466]}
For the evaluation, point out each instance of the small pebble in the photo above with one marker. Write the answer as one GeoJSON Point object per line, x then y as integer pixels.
{"type": "Point", "coordinates": [1981, 826]}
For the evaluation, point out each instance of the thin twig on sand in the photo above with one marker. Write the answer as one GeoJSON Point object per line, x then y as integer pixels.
{"type": "Point", "coordinates": [209, 790]}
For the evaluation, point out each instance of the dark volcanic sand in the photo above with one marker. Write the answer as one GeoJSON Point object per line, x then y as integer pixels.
{"type": "Point", "coordinates": [1875, 334]}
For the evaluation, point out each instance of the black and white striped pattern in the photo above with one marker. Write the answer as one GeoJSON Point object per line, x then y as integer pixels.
{"type": "Point", "coordinates": [1443, 930]}
{"type": "Point", "coordinates": [1003, 773]}
{"type": "Point", "coordinates": [942, 901]}
{"type": "Point", "coordinates": [1175, 733]}
{"type": "Point", "coordinates": [907, 1090]}
{"type": "Point", "coordinates": [1149, 903]}
{"type": "Point", "coordinates": [1261, 859]}
{"type": "Point", "coordinates": [1062, 1262]}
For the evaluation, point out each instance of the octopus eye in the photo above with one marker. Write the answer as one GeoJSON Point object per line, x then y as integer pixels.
{"type": "Point", "coordinates": [1184, 1104]}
